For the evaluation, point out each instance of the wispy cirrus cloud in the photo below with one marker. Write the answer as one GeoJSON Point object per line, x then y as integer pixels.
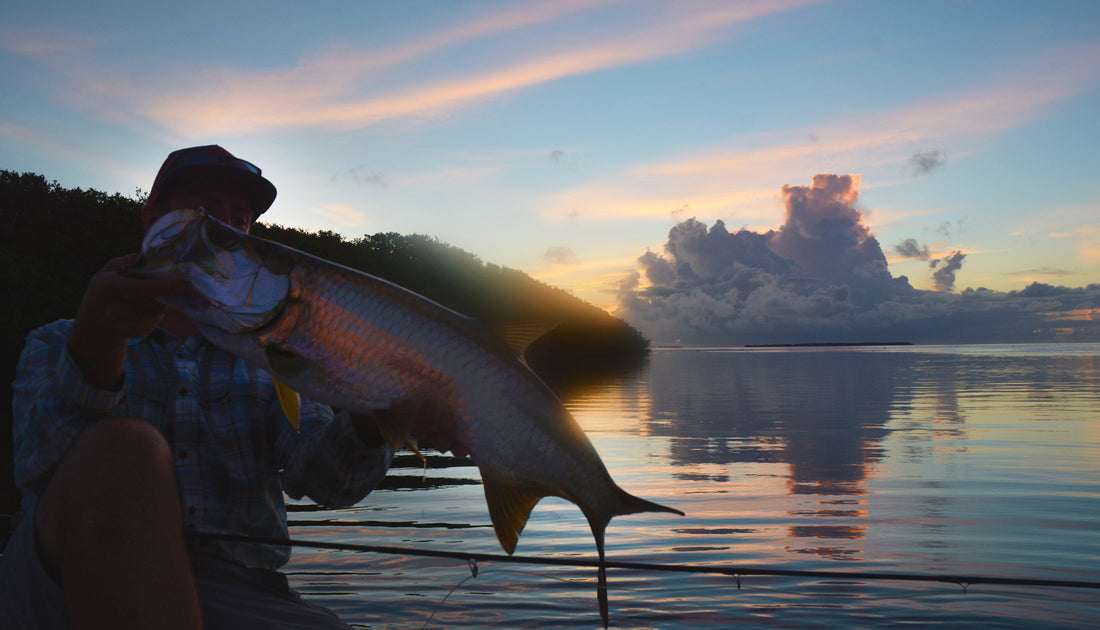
{"type": "Point", "coordinates": [43, 144]}
{"type": "Point", "coordinates": [722, 182]}
{"type": "Point", "coordinates": [1088, 237]}
{"type": "Point", "coordinates": [335, 90]}
{"type": "Point", "coordinates": [39, 42]}
{"type": "Point", "coordinates": [342, 214]}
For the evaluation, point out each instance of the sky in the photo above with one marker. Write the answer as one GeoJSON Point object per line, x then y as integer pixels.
{"type": "Point", "coordinates": [728, 172]}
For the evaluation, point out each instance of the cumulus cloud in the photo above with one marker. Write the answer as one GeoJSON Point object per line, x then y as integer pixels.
{"type": "Point", "coordinates": [944, 276]}
{"type": "Point", "coordinates": [824, 232]}
{"type": "Point", "coordinates": [910, 248]}
{"type": "Point", "coordinates": [822, 277]}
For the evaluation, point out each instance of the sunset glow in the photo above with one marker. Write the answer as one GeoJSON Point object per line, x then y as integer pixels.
{"type": "Point", "coordinates": [591, 129]}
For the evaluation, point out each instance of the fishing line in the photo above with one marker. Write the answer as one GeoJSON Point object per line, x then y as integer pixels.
{"type": "Point", "coordinates": [963, 582]}
{"type": "Point", "coordinates": [445, 598]}
{"type": "Point", "coordinates": [474, 572]}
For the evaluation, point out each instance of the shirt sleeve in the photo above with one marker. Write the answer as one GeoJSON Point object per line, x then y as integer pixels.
{"type": "Point", "coordinates": [52, 403]}
{"type": "Point", "coordinates": [326, 460]}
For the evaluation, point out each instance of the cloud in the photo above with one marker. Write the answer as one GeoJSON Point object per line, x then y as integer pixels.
{"type": "Point", "coordinates": [754, 165]}
{"type": "Point", "coordinates": [342, 214]}
{"type": "Point", "coordinates": [38, 42]}
{"type": "Point", "coordinates": [825, 234]}
{"type": "Point", "coordinates": [560, 256]}
{"type": "Point", "coordinates": [910, 248]}
{"type": "Point", "coordinates": [45, 144]}
{"type": "Point", "coordinates": [944, 277]}
{"type": "Point", "coordinates": [563, 159]}
{"type": "Point", "coordinates": [822, 277]}
{"type": "Point", "coordinates": [338, 88]}
{"type": "Point", "coordinates": [362, 175]}
{"type": "Point", "coordinates": [927, 161]}
{"type": "Point", "coordinates": [1041, 271]}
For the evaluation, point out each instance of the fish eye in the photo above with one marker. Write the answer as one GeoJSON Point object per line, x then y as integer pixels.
{"type": "Point", "coordinates": [223, 236]}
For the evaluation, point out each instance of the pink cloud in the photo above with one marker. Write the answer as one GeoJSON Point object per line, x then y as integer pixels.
{"type": "Point", "coordinates": [334, 90]}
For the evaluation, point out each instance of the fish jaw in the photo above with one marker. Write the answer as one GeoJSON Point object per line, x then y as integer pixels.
{"type": "Point", "coordinates": [231, 287]}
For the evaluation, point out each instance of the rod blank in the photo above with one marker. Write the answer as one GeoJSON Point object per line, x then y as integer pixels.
{"type": "Point", "coordinates": [737, 572]}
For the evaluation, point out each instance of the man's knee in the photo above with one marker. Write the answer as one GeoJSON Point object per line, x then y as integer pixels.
{"type": "Point", "coordinates": [121, 447]}
{"type": "Point", "coordinates": [116, 471]}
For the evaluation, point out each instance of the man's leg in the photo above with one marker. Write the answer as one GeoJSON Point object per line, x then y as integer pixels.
{"type": "Point", "coordinates": [110, 532]}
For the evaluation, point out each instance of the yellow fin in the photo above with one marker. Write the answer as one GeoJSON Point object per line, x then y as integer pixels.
{"type": "Point", "coordinates": [519, 336]}
{"type": "Point", "coordinates": [290, 401]}
{"type": "Point", "coordinates": [509, 506]}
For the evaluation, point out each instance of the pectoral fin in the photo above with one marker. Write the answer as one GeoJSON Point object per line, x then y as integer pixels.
{"type": "Point", "coordinates": [286, 363]}
{"type": "Point", "coordinates": [510, 505]}
{"type": "Point", "coordinates": [290, 401]}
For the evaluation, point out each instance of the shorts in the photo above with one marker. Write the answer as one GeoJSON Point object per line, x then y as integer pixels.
{"type": "Point", "coordinates": [232, 597]}
{"type": "Point", "coordinates": [29, 598]}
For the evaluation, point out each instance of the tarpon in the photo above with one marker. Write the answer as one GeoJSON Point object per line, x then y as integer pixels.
{"type": "Point", "coordinates": [358, 342]}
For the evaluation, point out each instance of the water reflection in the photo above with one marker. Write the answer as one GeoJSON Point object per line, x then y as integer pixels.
{"type": "Point", "coordinates": [826, 414]}
{"type": "Point", "coordinates": [822, 413]}
{"type": "Point", "coordinates": [949, 461]}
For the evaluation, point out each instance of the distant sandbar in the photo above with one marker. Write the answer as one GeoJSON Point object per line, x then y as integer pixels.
{"type": "Point", "coordinates": [829, 343]}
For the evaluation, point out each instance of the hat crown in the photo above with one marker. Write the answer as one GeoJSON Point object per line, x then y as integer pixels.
{"type": "Point", "coordinates": [212, 162]}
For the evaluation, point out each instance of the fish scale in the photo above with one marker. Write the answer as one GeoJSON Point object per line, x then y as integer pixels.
{"type": "Point", "coordinates": [357, 342]}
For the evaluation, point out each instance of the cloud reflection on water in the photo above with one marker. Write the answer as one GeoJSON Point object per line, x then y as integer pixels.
{"type": "Point", "coordinates": [822, 413]}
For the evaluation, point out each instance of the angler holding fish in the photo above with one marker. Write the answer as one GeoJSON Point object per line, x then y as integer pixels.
{"type": "Point", "coordinates": [133, 428]}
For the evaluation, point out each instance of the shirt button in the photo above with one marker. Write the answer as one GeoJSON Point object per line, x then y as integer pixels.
{"type": "Point", "coordinates": [183, 391]}
{"type": "Point", "coordinates": [191, 510]}
{"type": "Point", "coordinates": [183, 454]}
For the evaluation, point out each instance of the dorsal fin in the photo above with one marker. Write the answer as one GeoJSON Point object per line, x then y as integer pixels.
{"type": "Point", "coordinates": [520, 335]}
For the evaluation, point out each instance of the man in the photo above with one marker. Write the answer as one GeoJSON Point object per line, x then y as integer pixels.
{"type": "Point", "coordinates": [132, 431]}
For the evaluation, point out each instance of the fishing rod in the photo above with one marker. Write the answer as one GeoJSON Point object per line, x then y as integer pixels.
{"type": "Point", "coordinates": [735, 572]}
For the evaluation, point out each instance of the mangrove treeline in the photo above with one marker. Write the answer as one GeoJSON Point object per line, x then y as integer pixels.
{"type": "Point", "coordinates": [52, 239]}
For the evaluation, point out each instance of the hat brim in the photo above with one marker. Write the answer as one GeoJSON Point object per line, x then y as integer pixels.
{"type": "Point", "coordinates": [256, 188]}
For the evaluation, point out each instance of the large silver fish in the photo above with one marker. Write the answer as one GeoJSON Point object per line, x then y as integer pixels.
{"type": "Point", "coordinates": [358, 342]}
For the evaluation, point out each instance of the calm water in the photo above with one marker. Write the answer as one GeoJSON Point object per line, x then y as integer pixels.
{"type": "Point", "coordinates": [953, 460]}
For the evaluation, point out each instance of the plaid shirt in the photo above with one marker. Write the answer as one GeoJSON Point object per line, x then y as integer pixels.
{"type": "Point", "coordinates": [235, 451]}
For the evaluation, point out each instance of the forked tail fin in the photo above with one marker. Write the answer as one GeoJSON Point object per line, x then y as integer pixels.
{"type": "Point", "coordinates": [510, 504]}
{"type": "Point", "coordinates": [598, 520]}
{"type": "Point", "coordinates": [630, 504]}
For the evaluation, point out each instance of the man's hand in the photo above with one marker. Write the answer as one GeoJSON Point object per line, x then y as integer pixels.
{"type": "Point", "coordinates": [114, 309]}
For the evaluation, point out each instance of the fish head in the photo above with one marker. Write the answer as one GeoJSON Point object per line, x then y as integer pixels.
{"type": "Point", "coordinates": [233, 285]}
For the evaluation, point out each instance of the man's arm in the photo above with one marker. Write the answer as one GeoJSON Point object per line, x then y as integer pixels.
{"type": "Point", "coordinates": [71, 372]}
{"type": "Point", "coordinates": [328, 459]}
{"type": "Point", "coordinates": [114, 309]}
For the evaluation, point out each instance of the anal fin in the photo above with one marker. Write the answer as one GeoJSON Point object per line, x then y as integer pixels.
{"type": "Point", "coordinates": [510, 504]}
